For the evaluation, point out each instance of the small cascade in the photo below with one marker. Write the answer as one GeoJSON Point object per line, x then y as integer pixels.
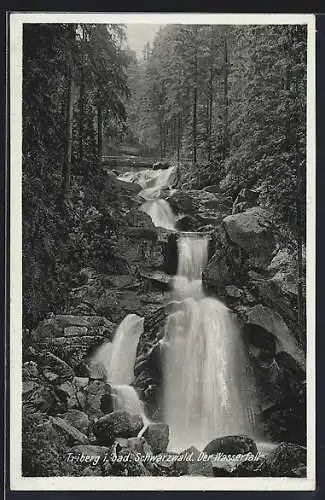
{"type": "Point", "coordinates": [193, 256]}
{"type": "Point", "coordinates": [208, 391]}
{"type": "Point", "coordinates": [153, 182]}
{"type": "Point", "coordinates": [161, 214]}
{"type": "Point", "coordinates": [120, 364]}
{"type": "Point", "coordinates": [118, 358]}
{"type": "Point", "coordinates": [127, 399]}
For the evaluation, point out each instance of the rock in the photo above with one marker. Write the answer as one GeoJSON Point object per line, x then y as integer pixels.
{"type": "Point", "coordinates": [157, 436]}
{"type": "Point", "coordinates": [280, 293]}
{"type": "Point", "coordinates": [78, 419]}
{"type": "Point", "coordinates": [54, 369]}
{"type": "Point", "coordinates": [81, 382]}
{"type": "Point", "coordinates": [138, 218]}
{"type": "Point", "coordinates": [29, 386]}
{"type": "Point", "coordinates": [252, 232]}
{"type": "Point", "coordinates": [219, 272]}
{"type": "Point", "coordinates": [140, 445]}
{"type": "Point", "coordinates": [89, 450]}
{"type": "Point", "coordinates": [181, 202]}
{"type": "Point", "coordinates": [39, 398]}
{"type": "Point", "coordinates": [67, 392]}
{"type": "Point", "coordinates": [93, 370]}
{"type": "Point", "coordinates": [70, 339]}
{"type": "Point", "coordinates": [272, 322]}
{"type": "Point", "coordinates": [246, 198]}
{"type": "Point", "coordinates": [285, 423]}
{"type": "Point", "coordinates": [214, 188]}
{"type": "Point", "coordinates": [187, 223]}
{"type": "Point", "coordinates": [116, 424]}
{"type": "Point", "coordinates": [284, 460]}
{"type": "Point", "coordinates": [159, 279]}
{"type": "Point", "coordinates": [256, 336]}
{"type": "Point", "coordinates": [231, 445]}
{"type": "Point", "coordinates": [249, 468]}
{"type": "Point", "coordinates": [128, 464]}
{"type": "Point", "coordinates": [300, 471]}
{"type": "Point", "coordinates": [75, 331]}
{"type": "Point", "coordinates": [148, 374]}
{"type": "Point", "coordinates": [73, 435]}
{"type": "Point", "coordinates": [153, 329]}
{"type": "Point", "coordinates": [92, 471]}
{"type": "Point", "coordinates": [30, 370]}
{"type": "Point", "coordinates": [199, 467]}
{"type": "Point", "coordinates": [235, 292]}
{"type": "Point", "coordinates": [97, 398]}
{"type": "Point", "coordinates": [160, 165]}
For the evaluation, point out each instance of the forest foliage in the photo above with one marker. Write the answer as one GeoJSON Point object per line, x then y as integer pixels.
{"type": "Point", "coordinates": [232, 98]}
{"type": "Point", "coordinates": [74, 92]}
{"type": "Point", "coordinates": [228, 102]}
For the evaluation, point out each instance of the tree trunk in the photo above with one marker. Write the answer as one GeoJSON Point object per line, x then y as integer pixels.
{"type": "Point", "coordinates": [99, 132]}
{"type": "Point", "coordinates": [210, 112]}
{"type": "Point", "coordinates": [300, 240]}
{"type": "Point", "coordinates": [292, 144]}
{"type": "Point", "coordinates": [81, 115]}
{"type": "Point", "coordinates": [178, 136]}
{"type": "Point", "coordinates": [225, 123]}
{"type": "Point", "coordinates": [161, 140]}
{"type": "Point", "coordinates": [66, 180]}
{"type": "Point", "coordinates": [194, 123]}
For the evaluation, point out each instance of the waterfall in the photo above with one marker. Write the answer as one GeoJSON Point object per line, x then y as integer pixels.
{"type": "Point", "coordinates": [207, 391]}
{"type": "Point", "coordinates": [193, 256]}
{"type": "Point", "coordinates": [118, 358]}
{"type": "Point", "coordinates": [160, 213]}
{"type": "Point", "coordinates": [120, 365]}
{"type": "Point", "coordinates": [153, 182]}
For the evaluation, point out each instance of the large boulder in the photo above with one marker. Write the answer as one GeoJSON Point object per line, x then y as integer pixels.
{"type": "Point", "coordinates": [279, 289]}
{"type": "Point", "coordinates": [78, 419]}
{"type": "Point", "coordinates": [272, 322]}
{"type": "Point", "coordinates": [116, 424]}
{"type": "Point", "coordinates": [39, 396]}
{"type": "Point", "coordinates": [231, 445]}
{"type": "Point", "coordinates": [127, 463]}
{"type": "Point", "coordinates": [182, 203]}
{"type": "Point", "coordinates": [54, 369]}
{"type": "Point", "coordinates": [96, 398]}
{"type": "Point", "coordinates": [219, 272]}
{"type": "Point", "coordinates": [187, 223]}
{"type": "Point", "coordinates": [71, 433]}
{"type": "Point", "coordinates": [71, 337]}
{"type": "Point", "coordinates": [148, 364]}
{"type": "Point", "coordinates": [252, 232]}
{"type": "Point", "coordinates": [138, 218]}
{"type": "Point", "coordinates": [157, 436]}
{"type": "Point", "coordinates": [286, 460]}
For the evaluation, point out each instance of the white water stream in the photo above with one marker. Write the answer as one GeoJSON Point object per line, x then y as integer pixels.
{"type": "Point", "coordinates": [208, 392]}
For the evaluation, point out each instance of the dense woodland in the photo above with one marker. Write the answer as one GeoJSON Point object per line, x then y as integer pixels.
{"type": "Point", "coordinates": [228, 103]}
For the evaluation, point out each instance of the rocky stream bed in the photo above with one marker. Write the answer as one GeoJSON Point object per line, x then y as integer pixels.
{"type": "Point", "coordinates": [65, 393]}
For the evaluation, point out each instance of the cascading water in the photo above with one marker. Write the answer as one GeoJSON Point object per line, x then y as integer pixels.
{"type": "Point", "coordinates": [127, 399]}
{"type": "Point", "coordinates": [161, 214]}
{"type": "Point", "coordinates": [118, 359]}
{"type": "Point", "coordinates": [207, 390]}
{"type": "Point", "coordinates": [208, 386]}
{"type": "Point", "coordinates": [158, 209]}
{"type": "Point", "coordinates": [120, 365]}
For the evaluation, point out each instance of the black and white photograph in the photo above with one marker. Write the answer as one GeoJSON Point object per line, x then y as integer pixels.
{"type": "Point", "coordinates": [162, 251]}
